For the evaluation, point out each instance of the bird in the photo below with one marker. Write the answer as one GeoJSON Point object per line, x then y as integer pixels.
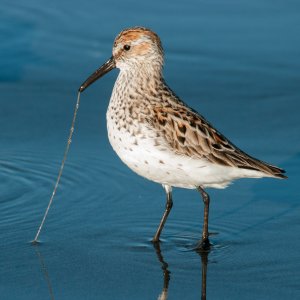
{"type": "Point", "coordinates": [159, 136]}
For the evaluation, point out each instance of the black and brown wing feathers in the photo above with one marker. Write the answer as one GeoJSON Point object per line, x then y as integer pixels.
{"type": "Point", "coordinates": [188, 133]}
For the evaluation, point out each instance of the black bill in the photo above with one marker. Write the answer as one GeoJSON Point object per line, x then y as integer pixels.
{"type": "Point", "coordinates": [105, 68]}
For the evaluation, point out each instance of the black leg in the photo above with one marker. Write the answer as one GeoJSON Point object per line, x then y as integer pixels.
{"type": "Point", "coordinates": [169, 205]}
{"type": "Point", "coordinates": [204, 244]}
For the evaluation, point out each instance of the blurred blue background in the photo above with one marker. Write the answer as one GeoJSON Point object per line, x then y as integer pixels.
{"type": "Point", "coordinates": [236, 62]}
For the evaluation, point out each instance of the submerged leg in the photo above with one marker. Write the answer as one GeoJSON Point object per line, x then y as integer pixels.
{"type": "Point", "coordinates": [169, 205]}
{"type": "Point", "coordinates": [204, 244]}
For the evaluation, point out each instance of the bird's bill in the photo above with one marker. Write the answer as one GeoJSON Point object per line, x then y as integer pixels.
{"type": "Point", "coordinates": [105, 68]}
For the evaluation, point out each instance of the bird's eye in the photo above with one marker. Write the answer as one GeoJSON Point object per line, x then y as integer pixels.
{"type": "Point", "coordinates": [126, 47]}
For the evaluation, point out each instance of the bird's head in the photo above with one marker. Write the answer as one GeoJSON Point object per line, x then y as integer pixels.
{"type": "Point", "coordinates": [134, 48]}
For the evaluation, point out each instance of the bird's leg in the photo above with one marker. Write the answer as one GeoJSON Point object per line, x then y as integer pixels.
{"type": "Point", "coordinates": [204, 244]}
{"type": "Point", "coordinates": [169, 205]}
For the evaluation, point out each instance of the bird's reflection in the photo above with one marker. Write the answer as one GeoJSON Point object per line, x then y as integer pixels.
{"type": "Point", "coordinates": [45, 272]}
{"type": "Point", "coordinates": [204, 260]}
{"type": "Point", "coordinates": [166, 273]}
{"type": "Point", "coordinates": [164, 266]}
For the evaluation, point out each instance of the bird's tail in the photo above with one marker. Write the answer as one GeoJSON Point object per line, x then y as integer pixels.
{"type": "Point", "coordinates": [266, 168]}
{"type": "Point", "coordinates": [275, 171]}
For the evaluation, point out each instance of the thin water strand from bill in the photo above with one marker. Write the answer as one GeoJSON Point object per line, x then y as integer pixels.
{"type": "Point", "coordinates": [35, 241]}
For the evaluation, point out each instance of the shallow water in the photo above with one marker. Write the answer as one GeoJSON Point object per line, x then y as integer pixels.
{"type": "Point", "coordinates": [236, 63]}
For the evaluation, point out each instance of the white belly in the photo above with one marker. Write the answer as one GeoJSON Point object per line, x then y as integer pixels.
{"type": "Point", "coordinates": [157, 163]}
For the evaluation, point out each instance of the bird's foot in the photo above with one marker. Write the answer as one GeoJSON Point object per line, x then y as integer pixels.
{"type": "Point", "coordinates": [155, 241]}
{"type": "Point", "coordinates": [203, 245]}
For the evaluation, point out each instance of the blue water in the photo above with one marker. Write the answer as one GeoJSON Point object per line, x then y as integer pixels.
{"type": "Point", "coordinates": [236, 62]}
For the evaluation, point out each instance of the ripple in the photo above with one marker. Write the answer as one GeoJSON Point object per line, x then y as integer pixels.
{"type": "Point", "coordinates": [27, 180]}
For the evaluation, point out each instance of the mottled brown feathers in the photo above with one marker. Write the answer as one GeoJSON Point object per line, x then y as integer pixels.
{"type": "Point", "coordinates": [188, 133]}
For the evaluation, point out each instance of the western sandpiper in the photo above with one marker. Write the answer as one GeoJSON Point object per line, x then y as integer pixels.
{"type": "Point", "coordinates": [161, 138]}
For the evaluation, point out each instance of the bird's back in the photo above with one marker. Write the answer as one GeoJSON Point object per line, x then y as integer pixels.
{"type": "Point", "coordinates": [189, 133]}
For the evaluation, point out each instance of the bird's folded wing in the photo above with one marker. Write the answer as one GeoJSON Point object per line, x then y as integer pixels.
{"type": "Point", "coordinates": [188, 133]}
